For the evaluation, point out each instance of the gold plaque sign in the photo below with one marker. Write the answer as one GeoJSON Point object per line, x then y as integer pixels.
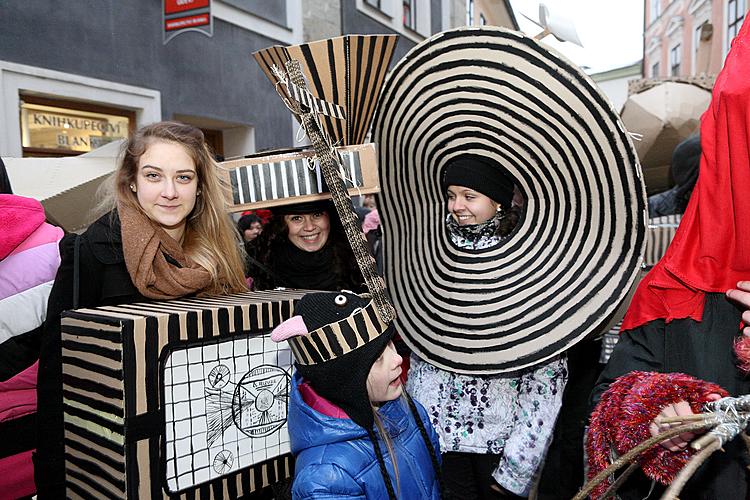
{"type": "Point", "coordinates": [50, 127]}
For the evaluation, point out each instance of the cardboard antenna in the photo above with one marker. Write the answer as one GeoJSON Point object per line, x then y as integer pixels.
{"type": "Point", "coordinates": [347, 71]}
{"type": "Point", "coordinates": [560, 27]}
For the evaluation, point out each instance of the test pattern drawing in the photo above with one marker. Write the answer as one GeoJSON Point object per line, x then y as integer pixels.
{"type": "Point", "coordinates": [225, 407]}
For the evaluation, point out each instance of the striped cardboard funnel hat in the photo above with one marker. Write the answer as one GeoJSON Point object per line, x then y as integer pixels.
{"type": "Point", "coordinates": [579, 244]}
{"type": "Point", "coordinates": [347, 71]}
{"type": "Point", "coordinates": [343, 322]}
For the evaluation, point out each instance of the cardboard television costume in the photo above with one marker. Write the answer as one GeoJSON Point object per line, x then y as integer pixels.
{"type": "Point", "coordinates": [578, 246]}
{"type": "Point", "coordinates": [176, 399]}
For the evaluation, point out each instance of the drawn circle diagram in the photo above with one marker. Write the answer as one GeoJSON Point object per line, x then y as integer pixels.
{"type": "Point", "coordinates": [223, 461]}
{"type": "Point", "coordinates": [219, 376]}
{"type": "Point", "coordinates": [259, 405]}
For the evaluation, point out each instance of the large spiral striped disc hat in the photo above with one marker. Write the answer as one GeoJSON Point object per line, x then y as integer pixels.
{"type": "Point", "coordinates": [577, 248]}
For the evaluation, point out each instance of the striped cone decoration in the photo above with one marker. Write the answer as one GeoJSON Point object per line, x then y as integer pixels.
{"type": "Point", "coordinates": [579, 244]}
{"type": "Point", "coordinates": [346, 71]}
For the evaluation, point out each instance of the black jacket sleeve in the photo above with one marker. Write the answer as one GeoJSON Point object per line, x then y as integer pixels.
{"type": "Point", "coordinates": [639, 349]}
{"type": "Point", "coordinates": [49, 470]}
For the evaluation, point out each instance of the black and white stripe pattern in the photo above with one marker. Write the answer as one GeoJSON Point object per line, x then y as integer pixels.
{"type": "Point", "coordinates": [338, 338]}
{"type": "Point", "coordinates": [289, 178]}
{"type": "Point", "coordinates": [579, 244]}
{"type": "Point", "coordinates": [305, 97]}
{"type": "Point", "coordinates": [347, 71]}
{"type": "Point", "coordinates": [114, 419]}
{"type": "Point", "coordinates": [661, 230]}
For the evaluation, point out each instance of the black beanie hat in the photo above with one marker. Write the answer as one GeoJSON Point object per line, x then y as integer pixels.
{"type": "Point", "coordinates": [335, 338]}
{"type": "Point", "coordinates": [482, 174]}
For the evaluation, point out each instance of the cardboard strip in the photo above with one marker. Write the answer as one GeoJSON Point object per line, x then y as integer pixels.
{"type": "Point", "coordinates": [305, 97]}
{"type": "Point", "coordinates": [284, 178]}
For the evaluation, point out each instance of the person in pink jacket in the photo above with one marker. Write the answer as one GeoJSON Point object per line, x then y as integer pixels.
{"type": "Point", "coordinates": [29, 257]}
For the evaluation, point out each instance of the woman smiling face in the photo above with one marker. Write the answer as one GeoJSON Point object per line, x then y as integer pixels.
{"type": "Point", "coordinates": [308, 232]}
{"type": "Point", "coordinates": [468, 206]}
{"type": "Point", "coordinates": [166, 185]}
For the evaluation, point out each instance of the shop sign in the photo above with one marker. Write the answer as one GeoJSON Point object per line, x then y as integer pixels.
{"type": "Point", "coordinates": [180, 16]}
{"type": "Point", "coordinates": [53, 128]}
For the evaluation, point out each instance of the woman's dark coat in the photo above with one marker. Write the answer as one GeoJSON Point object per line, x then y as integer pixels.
{"type": "Point", "coordinates": [103, 280]}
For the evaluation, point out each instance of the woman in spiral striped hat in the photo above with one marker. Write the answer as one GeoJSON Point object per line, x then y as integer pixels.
{"type": "Point", "coordinates": [494, 429]}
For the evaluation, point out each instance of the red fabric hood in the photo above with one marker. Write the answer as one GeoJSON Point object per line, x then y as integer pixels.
{"type": "Point", "coordinates": [711, 250]}
{"type": "Point", "coordinates": [19, 217]}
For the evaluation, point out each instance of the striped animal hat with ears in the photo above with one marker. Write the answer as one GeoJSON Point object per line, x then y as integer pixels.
{"type": "Point", "coordinates": [335, 338]}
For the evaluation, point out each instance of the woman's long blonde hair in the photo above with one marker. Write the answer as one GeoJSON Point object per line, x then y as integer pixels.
{"type": "Point", "coordinates": [210, 238]}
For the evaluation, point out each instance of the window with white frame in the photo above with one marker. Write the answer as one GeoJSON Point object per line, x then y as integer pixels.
{"type": "Point", "coordinates": [736, 10]}
{"type": "Point", "coordinates": [697, 34]}
{"type": "Point", "coordinates": [655, 70]}
{"type": "Point", "coordinates": [410, 15]}
{"type": "Point", "coordinates": [469, 12]}
{"type": "Point", "coordinates": [410, 18]}
{"type": "Point", "coordinates": [655, 10]}
{"type": "Point", "coordinates": [675, 59]}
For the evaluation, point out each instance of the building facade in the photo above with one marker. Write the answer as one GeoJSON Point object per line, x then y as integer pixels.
{"type": "Point", "coordinates": [80, 74]}
{"type": "Point", "coordinates": [490, 12]}
{"type": "Point", "coordinates": [70, 71]}
{"type": "Point", "coordinates": [614, 82]}
{"type": "Point", "coordinates": [689, 37]}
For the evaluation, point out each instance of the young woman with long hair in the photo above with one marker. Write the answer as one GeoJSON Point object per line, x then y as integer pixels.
{"type": "Point", "coordinates": [166, 236]}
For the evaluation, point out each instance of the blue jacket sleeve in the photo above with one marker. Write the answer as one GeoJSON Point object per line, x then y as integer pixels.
{"type": "Point", "coordinates": [325, 481]}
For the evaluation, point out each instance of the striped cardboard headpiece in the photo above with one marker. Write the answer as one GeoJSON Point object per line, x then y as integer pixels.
{"type": "Point", "coordinates": [333, 340]}
{"type": "Point", "coordinates": [570, 261]}
{"type": "Point", "coordinates": [347, 71]}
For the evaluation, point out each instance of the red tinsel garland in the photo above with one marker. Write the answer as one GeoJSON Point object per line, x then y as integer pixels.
{"type": "Point", "coordinates": [742, 351]}
{"type": "Point", "coordinates": [621, 420]}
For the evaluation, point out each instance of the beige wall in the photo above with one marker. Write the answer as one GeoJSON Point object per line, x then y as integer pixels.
{"type": "Point", "coordinates": [495, 12]}
{"type": "Point", "coordinates": [677, 24]}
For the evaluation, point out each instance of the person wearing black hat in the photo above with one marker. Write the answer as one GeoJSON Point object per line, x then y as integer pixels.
{"type": "Point", "coordinates": [494, 429]}
{"type": "Point", "coordinates": [686, 160]}
{"type": "Point", "coordinates": [480, 202]}
{"type": "Point", "coordinates": [304, 246]}
{"type": "Point", "coordinates": [354, 431]}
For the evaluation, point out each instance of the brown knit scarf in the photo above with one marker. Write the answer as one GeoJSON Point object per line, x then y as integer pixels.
{"type": "Point", "coordinates": [146, 246]}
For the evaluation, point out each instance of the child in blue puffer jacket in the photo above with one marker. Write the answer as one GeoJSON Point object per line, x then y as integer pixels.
{"type": "Point", "coordinates": [354, 430]}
